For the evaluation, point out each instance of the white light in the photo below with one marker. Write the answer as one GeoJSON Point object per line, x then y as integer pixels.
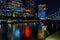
{"type": "Point", "coordinates": [0, 26]}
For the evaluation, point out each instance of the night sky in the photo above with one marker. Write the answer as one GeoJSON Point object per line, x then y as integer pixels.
{"type": "Point", "coordinates": [52, 6]}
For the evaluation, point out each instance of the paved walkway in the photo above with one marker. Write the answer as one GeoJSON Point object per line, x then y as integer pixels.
{"type": "Point", "coordinates": [55, 36]}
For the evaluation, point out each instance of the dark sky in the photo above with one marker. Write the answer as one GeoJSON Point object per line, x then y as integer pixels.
{"type": "Point", "coordinates": [52, 6]}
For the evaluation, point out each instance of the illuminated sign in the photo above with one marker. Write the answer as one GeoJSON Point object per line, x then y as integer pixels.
{"type": "Point", "coordinates": [27, 10]}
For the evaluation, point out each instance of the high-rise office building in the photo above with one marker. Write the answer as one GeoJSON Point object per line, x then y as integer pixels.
{"type": "Point", "coordinates": [42, 11]}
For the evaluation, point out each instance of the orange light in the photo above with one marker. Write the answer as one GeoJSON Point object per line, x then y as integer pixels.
{"type": "Point", "coordinates": [27, 31]}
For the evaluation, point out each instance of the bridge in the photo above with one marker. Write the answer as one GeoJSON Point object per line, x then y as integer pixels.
{"type": "Point", "coordinates": [54, 16]}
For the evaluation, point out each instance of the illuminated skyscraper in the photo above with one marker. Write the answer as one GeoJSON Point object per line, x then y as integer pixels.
{"type": "Point", "coordinates": [42, 11]}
